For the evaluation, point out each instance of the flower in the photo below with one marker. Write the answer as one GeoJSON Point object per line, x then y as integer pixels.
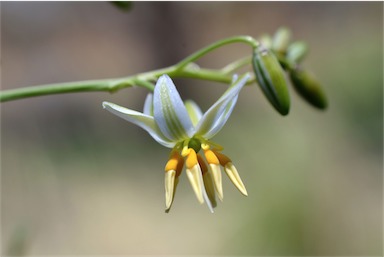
{"type": "Point", "coordinates": [184, 128]}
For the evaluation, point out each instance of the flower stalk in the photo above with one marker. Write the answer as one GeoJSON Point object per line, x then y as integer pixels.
{"type": "Point", "coordinates": [183, 69]}
{"type": "Point", "coordinates": [270, 59]}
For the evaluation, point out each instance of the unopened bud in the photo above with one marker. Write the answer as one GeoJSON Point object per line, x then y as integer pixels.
{"type": "Point", "coordinates": [297, 51]}
{"type": "Point", "coordinates": [281, 40]}
{"type": "Point", "coordinates": [270, 76]}
{"type": "Point", "coordinates": [309, 88]}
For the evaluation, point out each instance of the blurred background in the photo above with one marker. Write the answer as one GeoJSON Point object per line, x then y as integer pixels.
{"type": "Point", "coordinates": [77, 180]}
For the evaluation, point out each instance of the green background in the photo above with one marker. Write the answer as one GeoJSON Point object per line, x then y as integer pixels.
{"type": "Point", "coordinates": [77, 180]}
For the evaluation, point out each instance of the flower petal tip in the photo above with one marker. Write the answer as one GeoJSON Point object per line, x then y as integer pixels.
{"type": "Point", "coordinates": [244, 192]}
{"type": "Point", "coordinates": [170, 187]}
{"type": "Point", "coordinates": [234, 176]}
{"type": "Point", "coordinates": [104, 104]}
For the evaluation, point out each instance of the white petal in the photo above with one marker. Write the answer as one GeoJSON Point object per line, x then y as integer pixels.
{"type": "Point", "coordinates": [216, 116]}
{"type": "Point", "coordinates": [144, 121]}
{"type": "Point", "coordinates": [221, 119]}
{"type": "Point", "coordinates": [194, 111]}
{"type": "Point", "coordinates": [234, 176]}
{"type": "Point", "coordinates": [196, 179]}
{"type": "Point", "coordinates": [170, 188]}
{"type": "Point", "coordinates": [215, 172]}
{"type": "Point", "coordinates": [169, 111]}
{"type": "Point", "coordinates": [148, 105]}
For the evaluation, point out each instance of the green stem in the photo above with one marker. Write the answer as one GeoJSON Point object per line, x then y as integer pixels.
{"type": "Point", "coordinates": [204, 74]}
{"type": "Point", "coordinates": [197, 55]}
{"type": "Point", "coordinates": [237, 65]}
{"type": "Point", "coordinates": [81, 86]}
{"type": "Point", "coordinates": [182, 69]}
{"type": "Point", "coordinates": [107, 85]}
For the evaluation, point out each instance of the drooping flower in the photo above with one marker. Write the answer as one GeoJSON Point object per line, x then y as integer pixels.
{"type": "Point", "coordinates": [183, 127]}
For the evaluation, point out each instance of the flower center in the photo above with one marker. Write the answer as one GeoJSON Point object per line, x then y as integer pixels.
{"type": "Point", "coordinates": [195, 144]}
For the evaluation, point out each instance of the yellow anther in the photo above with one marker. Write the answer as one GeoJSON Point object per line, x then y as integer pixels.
{"type": "Point", "coordinates": [171, 164]}
{"type": "Point", "coordinates": [175, 163]}
{"type": "Point", "coordinates": [223, 159]}
{"type": "Point", "coordinates": [185, 151]}
{"type": "Point", "coordinates": [211, 157]}
{"type": "Point", "coordinates": [191, 159]}
{"type": "Point", "coordinates": [205, 146]}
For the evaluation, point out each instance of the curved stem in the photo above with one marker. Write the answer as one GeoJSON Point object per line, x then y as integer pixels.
{"type": "Point", "coordinates": [205, 74]}
{"type": "Point", "coordinates": [197, 55]}
{"type": "Point", "coordinates": [146, 79]}
{"type": "Point", "coordinates": [106, 85]}
{"type": "Point", "coordinates": [81, 86]}
{"type": "Point", "coordinates": [236, 65]}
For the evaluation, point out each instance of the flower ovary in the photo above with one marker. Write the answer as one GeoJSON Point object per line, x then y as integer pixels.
{"type": "Point", "coordinates": [195, 144]}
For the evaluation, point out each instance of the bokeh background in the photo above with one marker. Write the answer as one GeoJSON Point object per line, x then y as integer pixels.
{"type": "Point", "coordinates": [76, 180]}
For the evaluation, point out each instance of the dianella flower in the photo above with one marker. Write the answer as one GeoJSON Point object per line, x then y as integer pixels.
{"type": "Point", "coordinates": [183, 127]}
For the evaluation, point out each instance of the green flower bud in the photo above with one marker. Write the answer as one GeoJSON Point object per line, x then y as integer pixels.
{"type": "Point", "coordinates": [270, 76]}
{"type": "Point", "coordinates": [281, 40]}
{"type": "Point", "coordinates": [297, 51]}
{"type": "Point", "coordinates": [309, 88]}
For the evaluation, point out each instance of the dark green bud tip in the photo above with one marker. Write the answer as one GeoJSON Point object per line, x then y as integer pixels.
{"type": "Point", "coordinates": [309, 88]}
{"type": "Point", "coordinates": [270, 77]}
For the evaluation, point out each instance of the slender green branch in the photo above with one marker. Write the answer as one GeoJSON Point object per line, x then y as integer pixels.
{"type": "Point", "coordinates": [236, 65]}
{"type": "Point", "coordinates": [106, 85]}
{"type": "Point", "coordinates": [144, 83]}
{"type": "Point", "coordinates": [205, 74]}
{"type": "Point", "coordinates": [186, 68]}
{"type": "Point", "coordinates": [197, 55]}
{"type": "Point", "coordinates": [81, 86]}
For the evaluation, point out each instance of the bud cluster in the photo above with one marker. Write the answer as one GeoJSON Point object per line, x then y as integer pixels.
{"type": "Point", "coordinates": [277, 54]}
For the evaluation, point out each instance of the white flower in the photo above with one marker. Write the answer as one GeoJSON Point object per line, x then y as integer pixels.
{"type": "Point", "coordinates": [184, 128]}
